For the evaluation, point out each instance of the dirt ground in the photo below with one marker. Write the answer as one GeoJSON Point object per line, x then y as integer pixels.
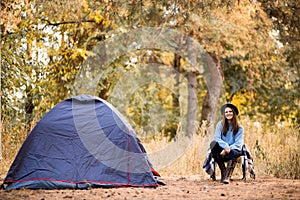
{"type": "Point", "coordinates": [190, 187]}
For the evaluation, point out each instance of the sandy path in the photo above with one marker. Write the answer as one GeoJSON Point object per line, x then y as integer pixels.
{"type": "Point", "coordinates": [191, 187]}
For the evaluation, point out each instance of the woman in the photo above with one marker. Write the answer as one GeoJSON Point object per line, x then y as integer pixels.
{"type": "Point", "coordinates": [228, 141]}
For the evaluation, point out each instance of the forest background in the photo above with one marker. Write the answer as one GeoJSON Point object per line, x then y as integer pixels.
{"type": "Point", "coordinates": [253, 57]}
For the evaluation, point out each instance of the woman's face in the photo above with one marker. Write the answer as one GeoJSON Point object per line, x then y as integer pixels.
{"type": "Point", "coordinates": [228, 113]}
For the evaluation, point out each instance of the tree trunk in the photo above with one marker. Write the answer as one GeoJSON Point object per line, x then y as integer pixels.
{"type": "Point", "coordinates": [192, 91]}
{"type": "Point", "coordinates": [192, 103]}
{"type": "Point", "coordinates": [177, 71]}
{"type": "Point", "coordinates": [28, 108]}
{"type": "Point", "coordinates": [214, 83]}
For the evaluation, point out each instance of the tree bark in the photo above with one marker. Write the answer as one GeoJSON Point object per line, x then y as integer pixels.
{"type": "Point", "coordinates": [192, 91]}
{"type": "Point", "coordinates": [214, 83]}
{"type": "Point", "coordinates": [192, 103]}
{"type": "Point", "coordinates": [177, 71]}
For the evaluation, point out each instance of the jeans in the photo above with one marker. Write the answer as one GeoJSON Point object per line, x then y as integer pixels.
{"type": "Point", "coordinates": [233, 154]}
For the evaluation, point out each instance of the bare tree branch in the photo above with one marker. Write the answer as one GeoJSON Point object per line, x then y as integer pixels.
{"type": "Point", "coordinates": [70, 22]}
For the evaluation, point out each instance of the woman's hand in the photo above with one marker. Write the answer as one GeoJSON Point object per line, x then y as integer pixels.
{"type": "Point", "coordinates": [225, 151]}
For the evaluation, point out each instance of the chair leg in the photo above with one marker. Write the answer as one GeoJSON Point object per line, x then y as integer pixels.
{"type": "Point", "coordinates": [244, 169]}
{"type": "Point", "coordinates": [213, 176]}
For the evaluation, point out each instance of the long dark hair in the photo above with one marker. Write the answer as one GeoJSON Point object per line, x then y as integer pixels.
{"type": "Point", "coordinates": [234, 123]}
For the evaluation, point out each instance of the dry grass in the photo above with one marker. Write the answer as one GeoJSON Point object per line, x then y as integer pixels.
{"type": "Point", "coordinates": [275, 150]}
{"type": "Point", "coordinates": [13, 137]}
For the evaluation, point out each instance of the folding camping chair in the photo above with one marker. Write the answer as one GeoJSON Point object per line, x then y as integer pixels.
{"type": "Point", "coordinates": [246, 160]}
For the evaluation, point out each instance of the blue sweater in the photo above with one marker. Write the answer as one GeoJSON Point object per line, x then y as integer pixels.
{"type": "Point", "coordinates": [234, 142]}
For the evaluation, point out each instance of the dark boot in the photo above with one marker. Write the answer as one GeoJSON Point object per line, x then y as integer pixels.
{"type": "Point", "coordinates": [220, 162]}
{"type": "Point", "coordinates": [230, 167]}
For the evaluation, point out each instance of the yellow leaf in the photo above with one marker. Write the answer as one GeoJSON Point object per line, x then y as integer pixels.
{"type": "Point", "coordinates": [79, 52]}
{"type": "Point", "coordinates": [91, 15]}
{"type": "Point", "coordinates": [98, 18]}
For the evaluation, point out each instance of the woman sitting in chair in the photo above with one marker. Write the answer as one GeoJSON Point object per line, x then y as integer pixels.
{"type": "Point", "coordinates": [228, 141]}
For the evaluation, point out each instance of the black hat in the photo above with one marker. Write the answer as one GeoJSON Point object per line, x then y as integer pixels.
{"type": "Point", "coordinates": [230, 105]}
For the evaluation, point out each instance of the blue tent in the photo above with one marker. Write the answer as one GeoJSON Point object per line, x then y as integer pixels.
{"type": "Point", "coordinates": [82, 142]}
